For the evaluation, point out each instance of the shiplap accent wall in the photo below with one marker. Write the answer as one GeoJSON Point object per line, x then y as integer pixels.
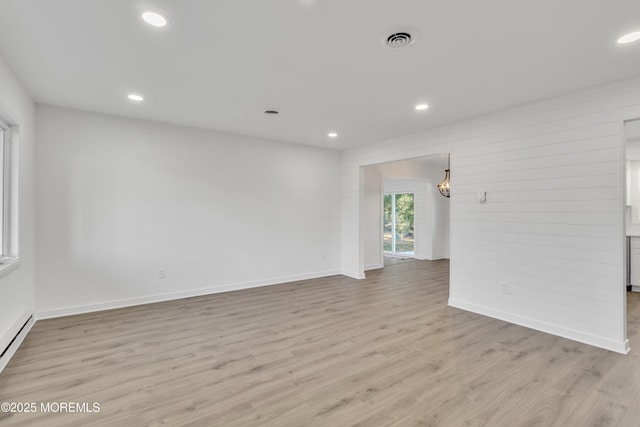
{"type": "Point", "coordinates": [552, 227]}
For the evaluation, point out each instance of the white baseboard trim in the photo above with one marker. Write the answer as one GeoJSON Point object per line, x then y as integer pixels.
{"type": "Point", "coordinates": [583, 337]}
{"type": "Point", "coordinates": [373, 266]}
{"type": "Point", "coordinates": [110, 305]}
{"type": "Point", "coordinates": [358, 276]}
{"type": "Point", "coordinates": [635, 288]}
{"type": "Point", "coordinates": [11, 350]}
{"type": "Point", "coordinates": [398, 255]}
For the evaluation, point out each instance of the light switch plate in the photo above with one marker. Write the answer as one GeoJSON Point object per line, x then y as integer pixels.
{"type": "Point", "coordinates": [482, 196]}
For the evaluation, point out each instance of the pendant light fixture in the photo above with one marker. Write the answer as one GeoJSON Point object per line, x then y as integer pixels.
{"type": "Point", "coordinates": [444, 186]}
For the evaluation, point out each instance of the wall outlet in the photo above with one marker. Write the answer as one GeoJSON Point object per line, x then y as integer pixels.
{"type": "Point", "coordinates": [162, 273]}
{"type": "Point", "coordinates": [504, 287]}
{"type": "Point", "coordinates": [324, 256]}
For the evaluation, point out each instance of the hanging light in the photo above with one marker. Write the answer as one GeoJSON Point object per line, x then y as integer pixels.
{"type": "Point", "coordinates": [444, 186]}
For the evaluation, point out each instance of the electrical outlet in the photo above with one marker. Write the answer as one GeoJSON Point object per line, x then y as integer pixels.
{"type": "Point", "coordinates": [324, 256]}
{"type": "Point", "coordinates": [504, 287]}
{"type": "Point", "coordinates": [162, 274]}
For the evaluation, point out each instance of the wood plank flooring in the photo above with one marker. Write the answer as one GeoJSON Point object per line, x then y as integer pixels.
{"type": "Point", "coordinates": [385, 351]}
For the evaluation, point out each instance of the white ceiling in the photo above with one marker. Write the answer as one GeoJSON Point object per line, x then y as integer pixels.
{"type": "Point", "coordinates": [322, 63]}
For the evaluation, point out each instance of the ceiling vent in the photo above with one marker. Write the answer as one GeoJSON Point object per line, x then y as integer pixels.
{"type": "Point", "coordinates": [399, 40]}
{"type": "Point", "coordinates": [271, 112]}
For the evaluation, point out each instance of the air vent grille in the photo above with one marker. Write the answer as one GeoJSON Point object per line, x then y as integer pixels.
{"type": "Point", "coordinates": [396, 40]}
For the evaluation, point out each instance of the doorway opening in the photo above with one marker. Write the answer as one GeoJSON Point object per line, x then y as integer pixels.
{"type": "Point", "coordinates": [404, 218]}
{"type": "Point", "coordinates": [631, 205]}
{"type": "Point", "coordinates": [398, 219]}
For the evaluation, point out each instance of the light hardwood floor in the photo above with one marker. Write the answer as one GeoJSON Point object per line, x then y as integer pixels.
{"type": "Point", "coordinates": [326, 352]}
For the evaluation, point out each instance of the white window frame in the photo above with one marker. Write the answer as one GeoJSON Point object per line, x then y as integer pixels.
{"type": "Point", "coordinates": [9, 259]}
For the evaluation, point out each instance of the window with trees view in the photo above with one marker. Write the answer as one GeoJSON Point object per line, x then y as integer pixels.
{"type": "Point", "coordinates": [398, 223]}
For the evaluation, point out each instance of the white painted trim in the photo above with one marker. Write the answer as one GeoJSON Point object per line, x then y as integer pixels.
{"type": "Point", "coordinates": [9, 266]}
{"type": "Point", "coordinates": [373, 266]}
{"type": "Point", "coordinates": [4, 361]}
{"type": "Point", "coordinates": [594, 340]}
{"type": "Point", "coordinates": [358, 276]}
{"type": "Point", "coordinates": [110, 305]}
{"type": "Point", "coordinates": [380, 225]}
{"type": "Point", "coordinates": [623, 230]}
{"type": "Point", "coordinates": [401, 255]}
{"type": "Point", "coordinates": [635, 288]}
{"type": "Point", "coordinates": [436, 258]}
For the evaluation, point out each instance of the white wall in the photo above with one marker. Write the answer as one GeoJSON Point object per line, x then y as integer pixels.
{"type": "Point", "coordinates": [431, 209]}
{"type": "Point", "coordinates": [17, 288]}
{"type": "Point", "coordinates": [119, 199]}
{"type": "Point", "coordinates": [553, 224]}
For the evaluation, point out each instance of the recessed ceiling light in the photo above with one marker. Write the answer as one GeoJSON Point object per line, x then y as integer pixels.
{"type": "Point", "coordinates": [332, 135]}
{"type": "Point", "coordinates": [154, 19]}
{"type": "Point", "coordinates": [421, 107]}
{"type": "Point", "coordinates": [629, 38]}
{"type": "Point", "coordinates": [134, 97]}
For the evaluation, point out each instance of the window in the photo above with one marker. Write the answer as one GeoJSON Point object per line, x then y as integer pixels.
{"type": "Point", "coordinates": [8, 246]}
{"type": "Point", "coordinates": [398, 233]}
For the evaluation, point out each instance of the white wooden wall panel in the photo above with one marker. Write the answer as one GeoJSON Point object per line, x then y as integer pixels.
{"type": "Point", "coordinates": [552, 226]}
